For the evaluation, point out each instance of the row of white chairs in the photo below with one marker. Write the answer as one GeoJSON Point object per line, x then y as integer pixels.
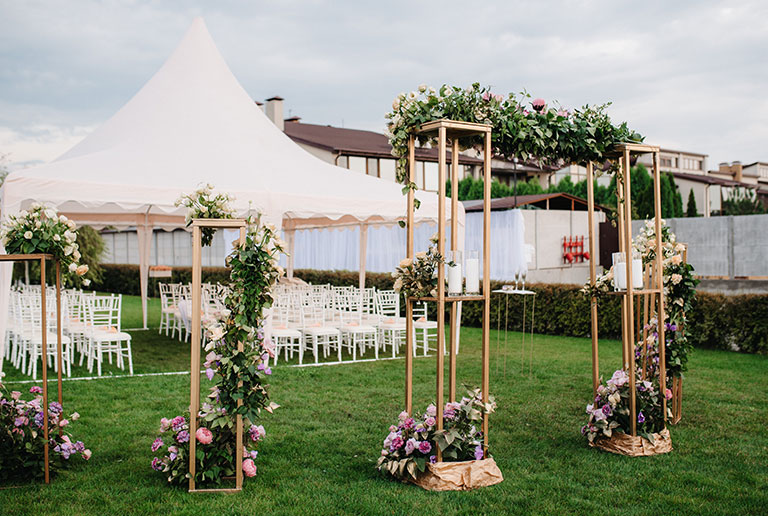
{"type": "Point", "coordinates": [326, 320]}
{"type": "Point", "coordinates": [91, 328]}
{"type": "Point", "coordinates": [176, 307]}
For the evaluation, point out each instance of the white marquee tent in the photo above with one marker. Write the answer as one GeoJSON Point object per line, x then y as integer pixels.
{"type": "Point", "coordinates": [193, 123]}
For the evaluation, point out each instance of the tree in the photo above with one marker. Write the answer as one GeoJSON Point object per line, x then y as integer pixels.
{"type": "Point", "coordinates": [3, 167]}
{"type": "Point", "coordinates": [742, 201]}
{"type": "Point", "coordinates": [91, 246]}
{"type": "Point", "coordinates": [691, 210]}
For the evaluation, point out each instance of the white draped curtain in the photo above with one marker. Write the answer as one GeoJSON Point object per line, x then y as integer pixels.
{"type": "Point", "coordinates": [339, 249]}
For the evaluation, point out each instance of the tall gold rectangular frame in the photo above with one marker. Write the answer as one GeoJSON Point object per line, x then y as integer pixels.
{"type": "Point", "coordinates": [622, 153]}
{"type": "Point", "coordinates": [194, 394]}
{"type": "Point", "coordinates": [453, 130]}
{"type": "Point", "coordinates": [44, 339]}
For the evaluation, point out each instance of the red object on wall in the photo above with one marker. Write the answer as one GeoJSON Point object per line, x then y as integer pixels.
{"type": "Point", "coordinates": [573, 250]}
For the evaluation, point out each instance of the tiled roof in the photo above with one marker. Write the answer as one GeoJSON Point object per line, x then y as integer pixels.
{"type": "Point", "coordinates": [557, 201]}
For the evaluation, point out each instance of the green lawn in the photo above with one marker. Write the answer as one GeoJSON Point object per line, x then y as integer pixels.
{"type": "Point", "coordinates": [321, 445]}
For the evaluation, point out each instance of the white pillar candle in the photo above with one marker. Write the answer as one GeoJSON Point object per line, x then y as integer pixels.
{"type": "Point", "coordinates": [637, 274]}
{"type": "Point", "coordinates": [454, 279]}
{"type": "Point", "coordinates": [620, 276]}
{"type": "Point", "coordinates": [473, 275]}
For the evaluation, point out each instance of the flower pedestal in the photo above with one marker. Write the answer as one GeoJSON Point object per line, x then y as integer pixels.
{"type": "Point", "coordinates": [459, 476]}
{"type": "Point", "coordinates": [635, 446]}
{"type": "Point", "coordinates": [42, 257]}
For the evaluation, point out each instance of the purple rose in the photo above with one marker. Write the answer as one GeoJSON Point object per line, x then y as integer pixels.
{"type": "Point", "coordinates": [410, 445]}
{"type": "Point", "coordinates": [641, 417]}
{"type": "Point", "coordinates": [397, 442]}
{"type": "Point", "coordinates": [183, 436]}
{"type": "Point", "coordinates": [209, 373]}
{"type": "Point", "coordinates": [36, 390]}
{"type": "Point", "coordinates": [55, 408]}
{"type": "Point", "coordinates": [432, 459]}
{"type": "Point", "coordinates": [479, 452]}
{"type": "Point", "coordinates": [178, 423]}
{"type": "Point", "coordinates": [607, 411]}
{"type": "Point", "coordinates": [156, 464]}
{"type": "Point", "coordinates": [40, 419]}
{"type": "Point", "coordinates": [425, 447]}
{"type": "Point", "coordinates": [157, 444]}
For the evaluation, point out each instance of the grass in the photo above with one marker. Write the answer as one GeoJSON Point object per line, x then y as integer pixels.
{"type": "Point", "coordinates": [321, 445]}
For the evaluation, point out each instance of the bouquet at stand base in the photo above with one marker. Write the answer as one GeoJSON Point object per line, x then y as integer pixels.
{"type": "Point", "coordinates": [203, 204]}
{"type": "Point", "coordinates": [610, 410]}
{"type": "Point", "coordinates": [413, 442]}
{"type": "Point", "coordinates": [417, 277]}
{"type": "Point", "coordinates": [42, 230]}
{"type": "Point", "coordinates": [22, 438]}
{"type": "Point", "coordinates": [215, 447]}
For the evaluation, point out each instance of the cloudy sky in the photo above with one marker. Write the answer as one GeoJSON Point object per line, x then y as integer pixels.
{"type": "Point", "coordinates": [690, 75]}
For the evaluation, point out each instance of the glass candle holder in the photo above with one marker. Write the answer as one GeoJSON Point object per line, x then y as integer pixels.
{"type": "Point", "coordinates": [453, 265]}
{"type": "Point", "coordinates": [620, 271]}
{"type": "Point", "coordinates": [472, 265]}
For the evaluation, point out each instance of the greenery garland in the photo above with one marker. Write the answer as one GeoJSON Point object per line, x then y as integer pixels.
{"type": "Point", "coordinates": [236, 375]}
{"type": "Point", "coordinates": [521, 128]}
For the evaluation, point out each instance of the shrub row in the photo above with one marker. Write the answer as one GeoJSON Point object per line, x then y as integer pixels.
{"type": "Point", "coordinates": [716, 321]}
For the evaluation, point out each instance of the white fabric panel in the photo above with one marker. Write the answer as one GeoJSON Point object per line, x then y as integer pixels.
{"type": "Point", "coordinates": [507, 242]}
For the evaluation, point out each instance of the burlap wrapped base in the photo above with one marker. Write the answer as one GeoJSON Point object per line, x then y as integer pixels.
{"type": "Point", "coordinates": [625, 444]}
{"type": "Point", "coordinates": [460, 476]}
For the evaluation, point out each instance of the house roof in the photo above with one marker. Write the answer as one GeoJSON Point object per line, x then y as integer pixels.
{"type": "Point", "coordinates": [710, 180]}
{"type": "Point", "coordinates": [356, 142]}
{"type": "Point", "coordinates": [684, 152]}
{"type": "Point", "coordinates": [557, 201]}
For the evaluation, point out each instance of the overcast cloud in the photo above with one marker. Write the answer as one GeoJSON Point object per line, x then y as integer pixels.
{"type": "Point", "coordinates": [690, 75]}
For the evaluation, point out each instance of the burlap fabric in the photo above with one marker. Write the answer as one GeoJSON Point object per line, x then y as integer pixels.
{"type": "Point", "coordinates": [625, 444]}
{"type": "Point", "coordinates": [460, 476]}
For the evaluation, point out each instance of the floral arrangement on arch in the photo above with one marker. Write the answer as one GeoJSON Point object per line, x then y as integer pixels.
{"type": "Point", "coordinates": [235, 375]}
{"type": "Point", "coordinates": [679, 293]}
{"type": "Point", "coordinates": [521, 127]}
{"type": "Point", "coordinates": [417, 277]}
{"type": "Point", "coordinates": [204, 204]}
{"type": "Point", "coordinates": [610, 410]}
{"type": "Point", "coordinates": [42, 230]}
{"type": "Point", "coordinates": [413, 442]}
{"type": "Point", "coordinates": [22, 438]}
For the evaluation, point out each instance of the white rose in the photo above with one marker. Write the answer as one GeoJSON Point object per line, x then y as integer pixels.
{"type": "Point", "coordinates": [28, 235]}
{"type": "Point", "coordinates": [76, 254]}
{"type": "Point", "coordinates": [412, 95]}
{"type": "Point", "coordinates": [51, 214]}
{"type": "Point", "coordinates": [432, 91]}
{"type": "Point", "coordinates": [86, 282]}
{"type": "Point", "coordinates": [38, 224]}
{"type": "Point", "coordinates": [63, 218]}
{"type": "Point", "coordinates": [422, 88]}
{"type": "Point", "coordinates": [395, 104]}
{"type": "Point", "coordinates": [69, 236]}
{"type": "Point", "coordinates": [23, 213]}
{"type": "Point", "coordinates": [69, 250]}
{"type": "Point", "coordinates": [72, 267]}
{"type": "Point", "coordinates": [57, 238]}
{"type": "Point", "coordinates": [71, 225]}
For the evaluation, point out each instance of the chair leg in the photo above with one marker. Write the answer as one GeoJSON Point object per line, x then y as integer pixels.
{"type": "Point", "coordinates": [130, 357]}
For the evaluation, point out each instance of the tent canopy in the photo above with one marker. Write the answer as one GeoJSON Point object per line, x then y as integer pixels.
{"type": "Point", "coordinates": [193, 123]}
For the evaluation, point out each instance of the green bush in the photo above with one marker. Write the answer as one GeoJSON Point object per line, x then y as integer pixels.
{"type": "Point", "coordinates": [715, 320]}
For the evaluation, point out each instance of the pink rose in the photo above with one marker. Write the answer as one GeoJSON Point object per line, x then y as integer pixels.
{"type": "Point", "coordinates": [204, 436]}
{"type": "Point", "coordinates": [249, 468]}
{"type": "Point", "coordinates": [15, 395]}
{"type": "Point", "coordinates": [539, 104]}
{"type": "Point", "coordinates": [63, 423]}
{"type": "Point", "coordinates": [668, 394]}
{"type": "Point", "coordinates": [87, 454]}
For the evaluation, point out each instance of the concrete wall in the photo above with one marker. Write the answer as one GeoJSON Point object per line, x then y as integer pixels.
{"type": "Point", "coordinates": [729, 247]}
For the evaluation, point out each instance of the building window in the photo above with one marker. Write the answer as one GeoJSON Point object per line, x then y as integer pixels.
{"type": "Point", "coordinates": [431, 176]}
{"type": "Point", "coordinates": [420, 174]}
{"type": "Point", "coordinates": [387, 169]}
{"type": "Point", "coordinates": [373, 167]}
{"type": "Point", "coordinates": [357, 164]}
{"type": "Point", "coordinates": [469, 171]}
{"type": "Point", "coordinates": [666, 162]}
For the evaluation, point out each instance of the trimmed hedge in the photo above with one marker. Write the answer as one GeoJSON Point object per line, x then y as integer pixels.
{"type": "Point", "coordinates": [738, 322]}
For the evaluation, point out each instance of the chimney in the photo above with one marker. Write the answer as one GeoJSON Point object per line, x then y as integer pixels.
{"type": "Point", "coordinates": [724, 168]}
{"type": "Point", "coordinates": [736, 168]}
{"type": "Point", "coordinates": [260, 104]}
{"type": "Point", "coordinates": [274, 111]}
